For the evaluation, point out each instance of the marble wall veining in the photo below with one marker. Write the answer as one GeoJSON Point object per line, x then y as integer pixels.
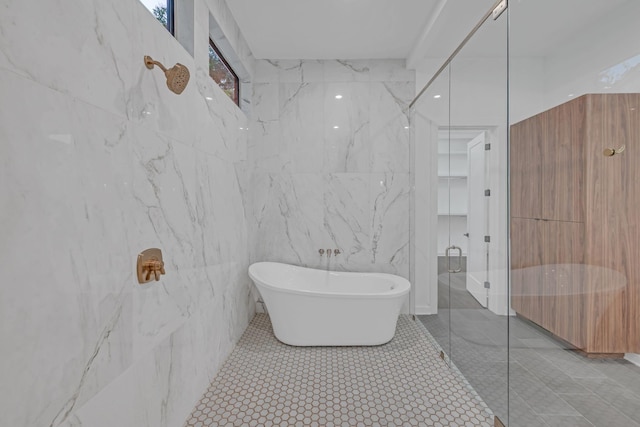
{"type": "Point", "coordinates": [100, 161]}
{"type": "Point", "coordinates": [328, 172]}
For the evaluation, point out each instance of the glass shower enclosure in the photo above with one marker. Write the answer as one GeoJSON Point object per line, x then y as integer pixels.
{"type": "Point", "coordinates": [525, 227]}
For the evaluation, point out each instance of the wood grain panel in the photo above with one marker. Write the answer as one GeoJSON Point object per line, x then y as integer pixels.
{"type": "Point", "coordinates": [526, 268]}
{"type": "Point", "coordinates": [563, 162]}
{"type": "Point", "coordinates": [564, 297]}
{"type": "Point", "coordinates": [525, 166]}
{"type": "Point", "coordinates": [587, 291]}
{"type": "Point", "coordinates": [615, 121]}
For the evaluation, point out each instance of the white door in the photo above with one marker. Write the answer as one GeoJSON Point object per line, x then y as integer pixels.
{"type": "Point", "coordinates": [477, 221]}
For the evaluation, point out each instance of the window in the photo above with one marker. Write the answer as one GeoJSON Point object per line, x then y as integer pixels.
{"type": "Point", "coordinates": [163, 11]}
{"type": "Point", "coordinates": [221, 72]}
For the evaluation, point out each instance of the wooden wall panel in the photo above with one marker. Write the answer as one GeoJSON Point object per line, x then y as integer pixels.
{"type": "Point", "coordinates": [526, 271]}
{"type": "Point", "coordinates": [563, 287]}
{"type": "Point", "coordinates": [588, 240]}
{"type": "Point", "coordinates": [615, 121]}
{"type": "Point", "coordinates": [563, 162]}
{"type": "Point", "coordinates": [526, 158]}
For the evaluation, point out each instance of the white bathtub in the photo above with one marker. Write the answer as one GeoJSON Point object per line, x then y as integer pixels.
{"type": "Point", "coordinates": [311, 307]}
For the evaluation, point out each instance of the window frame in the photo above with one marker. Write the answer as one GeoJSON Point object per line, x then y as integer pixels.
{"type": "Point", "coordinates": [171, 21]}
{"type": "Point", "coordinates": [213, 46]}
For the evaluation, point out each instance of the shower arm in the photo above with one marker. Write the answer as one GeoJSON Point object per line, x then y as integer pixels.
{"type": "Point", "coordinates": [150, 63]}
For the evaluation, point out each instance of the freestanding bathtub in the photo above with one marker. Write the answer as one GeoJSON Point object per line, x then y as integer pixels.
{"type": "Point", "coordinates": [310, 307]}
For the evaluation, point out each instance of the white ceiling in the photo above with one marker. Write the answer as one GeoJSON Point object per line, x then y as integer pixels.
{"type": "Point", "coordinates": [331, 29]}
{"type": "Point", "coordinates": [423, 32]}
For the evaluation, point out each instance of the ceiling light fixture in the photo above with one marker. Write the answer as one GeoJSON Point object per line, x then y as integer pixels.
{"type": "Point", "coordinates": [338, 96]}
{"type": "Point", "coordinates": [436, 96]}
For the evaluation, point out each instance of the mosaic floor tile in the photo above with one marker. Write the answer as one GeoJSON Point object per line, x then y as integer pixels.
{"type": "Point", "coordinates": [402, 383]}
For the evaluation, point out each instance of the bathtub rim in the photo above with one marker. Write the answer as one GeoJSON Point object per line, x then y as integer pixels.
{"type": "Point", "coordinates": [403, 289]}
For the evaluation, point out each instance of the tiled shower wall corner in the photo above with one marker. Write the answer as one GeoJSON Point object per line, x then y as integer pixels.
{"type": "Point", "coordinates": [104, 161]}
{"type": "Point", "coordinates": [328, 172]}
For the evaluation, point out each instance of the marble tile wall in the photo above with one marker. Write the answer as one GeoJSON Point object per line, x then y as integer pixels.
{"type": "Point", "coordinates": [327, 172]}
{"type": "Point", "coordinates": [100, 161]}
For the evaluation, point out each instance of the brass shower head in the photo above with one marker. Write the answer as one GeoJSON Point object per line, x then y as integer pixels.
{"type": "Point", "coordinates": [177, 76]}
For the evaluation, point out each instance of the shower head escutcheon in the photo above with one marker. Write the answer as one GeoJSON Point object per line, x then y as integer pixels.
{"type": "Point", "coordinates": [177, 76]}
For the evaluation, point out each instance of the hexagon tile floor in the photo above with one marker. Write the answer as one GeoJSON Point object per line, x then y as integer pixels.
{"type": "Point", "coordinates": [402, 383]}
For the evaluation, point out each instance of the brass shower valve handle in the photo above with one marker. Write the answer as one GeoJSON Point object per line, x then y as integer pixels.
{"type": "Point", "coordinates": [150, 265]}
{"type": "Point", "coordinates": [153, 267]}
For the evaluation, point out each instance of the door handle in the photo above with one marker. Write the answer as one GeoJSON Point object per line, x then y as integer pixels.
{"type": "Point", "coordinates": [466, 234]}
{"type": "Point", "coordinates": [454, 248]}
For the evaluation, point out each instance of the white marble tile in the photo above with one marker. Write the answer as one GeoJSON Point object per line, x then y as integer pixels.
{"type": "Point", "coordinates": [347, 71]}
{"type": "Point", "coordinates": [266, 102]}
{"type": "Point", "coordinates": [266, 71]}
{"type": "Point", "coordinates": [157, 390]}
{"type": "Point", "coordinates": [289, 217]}
{"type": "Point", "coordinates": [390, 70]}
{"type": "Point", "coordinates": [268, 151]}
{"type": "Point", "coordinates": [222, 214]}
{"type": "Point", "coordinates": [301, 124]}
{"type": "Point", "coordinates": [389, 218]}
{"type": "Point", "coordinates": [82, 49]}
{"type": "Point", "coordinates": [346, 128]}
{"type": "Point", "coordinates": [66, 314]}
{"type": "Point", "coordinates": [312, 70]}
{"type": "Point", "coordinates": [357, 213]}
{"type": "Point", "coordinates": [104, 161]}
{"type": "Point", "coordinates": [165, 217]}
{"type": "Point", "coordinates": [347, 218]}
{"type": "Point", "coordinates": [390, 131]}
{"type": "Point", "coordinates": [290, 70]}
{"type": "Point", "coordinates": [177, 191]}
{"type": "Point", "coordinates": [223, 122]}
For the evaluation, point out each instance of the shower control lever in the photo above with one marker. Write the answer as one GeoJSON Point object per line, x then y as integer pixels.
{"type": "Point", "coordinates": [328, 252]}
{"type": "Point", "coordinates": [336, 252]}
{"type": "Point", "coordinates": [321, 251]}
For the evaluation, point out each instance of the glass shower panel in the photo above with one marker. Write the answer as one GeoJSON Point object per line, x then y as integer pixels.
{"type": "Point", "coordinates": [478, 158]}
{"type": "Point", "coordinates": [574, 152]}
{"type": "Point", "coordinates": [432, 174]}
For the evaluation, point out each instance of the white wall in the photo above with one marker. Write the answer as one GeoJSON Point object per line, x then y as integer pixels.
{"type": "Point", "coordinates": [101, 161]}
{"type": "Point", "coordinates": [314, 186]}
{"type": "Point", "coordinates": [424, 218]}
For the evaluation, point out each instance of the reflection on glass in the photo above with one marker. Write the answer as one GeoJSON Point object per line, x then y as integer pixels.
{"type": "Point", "coordinates": [616, 73]}
{"type": "Point", "coordinates": [575, 231]}
{"type": "Point", "coordinates": [221, 73]}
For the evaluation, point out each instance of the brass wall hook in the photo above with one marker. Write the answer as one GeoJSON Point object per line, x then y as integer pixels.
{"type": "Point", "coordinates": [150, 265]}
{"type": "Point", "coordinates": [608, 152]}
{"type": "Point", "coordinates": [177, 76]}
